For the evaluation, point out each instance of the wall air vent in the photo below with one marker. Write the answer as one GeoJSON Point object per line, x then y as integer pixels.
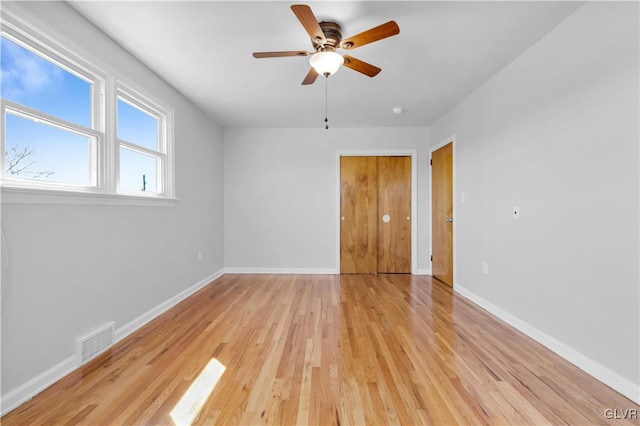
{"type": "Point", "coordinates": [94, 343]}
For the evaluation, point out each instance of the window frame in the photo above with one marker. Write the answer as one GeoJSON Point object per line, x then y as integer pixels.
{"type": "Point", "coordinates": [95, 144]}
{"type": "Point", "coordinates": [96, 130]}
{"type": "Point", "coordinates": [107, 85]}
{"type": "Point", "coordinates": [130, 97]}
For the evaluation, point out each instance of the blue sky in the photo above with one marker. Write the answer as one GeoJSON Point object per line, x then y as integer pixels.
{"type": "Point", "coordinates": [37, 83]}
{"type": "Point", "coordinates": [137, 126]}
{"type": "Point", "coordinates": [30, 80]}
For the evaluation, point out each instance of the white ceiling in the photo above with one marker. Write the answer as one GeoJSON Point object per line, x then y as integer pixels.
{"type": "Point", "coordinates": [444, 51]}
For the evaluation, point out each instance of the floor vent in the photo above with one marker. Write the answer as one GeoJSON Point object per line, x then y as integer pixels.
{"type": "Point", "coordinates": [94, 343]}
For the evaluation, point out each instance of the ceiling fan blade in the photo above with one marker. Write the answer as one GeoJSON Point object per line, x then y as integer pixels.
{"type": "Point", "coordinates": [374, 34]}
{"type": "Point", "coordinates": [280, 54]}
{"type": "Point", "coordinates": [309, 22]}
{"type": "Point", "coordinates": [361, 66]}
{"type": "Point", "coordinates": [311, 77]}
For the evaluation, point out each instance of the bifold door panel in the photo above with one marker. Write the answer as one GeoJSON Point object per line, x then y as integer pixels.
{"type": "Point", "coordinates": [358, 211]}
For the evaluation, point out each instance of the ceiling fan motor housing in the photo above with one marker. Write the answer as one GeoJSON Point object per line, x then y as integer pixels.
{"type": "Point", "coordinates": [332, 33]}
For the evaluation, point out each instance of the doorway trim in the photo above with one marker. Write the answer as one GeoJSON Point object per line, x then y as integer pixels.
{"type": "Point", "coordinates": [451, 139]}
{"type": "Point", "coordinates": [414, 195]}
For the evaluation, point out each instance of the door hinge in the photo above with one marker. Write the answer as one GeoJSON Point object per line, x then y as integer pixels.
{"type": "Point", "coordinates": [431, 162]}
{"type": "Point", "coordinates": [431, 258]}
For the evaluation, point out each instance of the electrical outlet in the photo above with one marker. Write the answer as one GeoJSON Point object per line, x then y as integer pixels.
{"type": "Point", "coordinates": [199, 255]}
{"type": "Point", "coordinates": [516, 212]}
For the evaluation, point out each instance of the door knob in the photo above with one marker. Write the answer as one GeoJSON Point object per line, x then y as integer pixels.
{"type": "Point", "coordinates": [448, 219]}
{"type": "Point", "coordinates": [386, 218]}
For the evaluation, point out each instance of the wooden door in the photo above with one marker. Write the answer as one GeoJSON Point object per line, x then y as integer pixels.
{"type": "Point", "coordinates": [394, 214]}
{"type": "Point", "coordinates": [370, 188]}
{"type": "Point", "coordinates": [358, 215]}
{"type": "Point", "coordinates": [442, 213]}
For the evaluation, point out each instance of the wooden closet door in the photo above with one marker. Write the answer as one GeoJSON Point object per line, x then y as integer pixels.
{"type": "Point", "coordinates": [394, 214]}
{"type": "Point", "coordinates": [358, 215]}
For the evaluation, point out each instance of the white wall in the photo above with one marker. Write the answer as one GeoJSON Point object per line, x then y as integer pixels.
{"type": "Point", "coordinates": [73, 268]}
{"type": "Point", "coordinates": [280, 193]}
{"type": "Point", "coordinates": [556, 132]}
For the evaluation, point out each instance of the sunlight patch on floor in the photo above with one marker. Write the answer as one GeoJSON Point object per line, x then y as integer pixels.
{"type": "Point", "coordinates": [194, 398]}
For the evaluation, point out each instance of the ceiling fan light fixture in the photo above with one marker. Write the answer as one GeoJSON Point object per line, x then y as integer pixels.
{"type": "Point", "coordinates": [326, 63]}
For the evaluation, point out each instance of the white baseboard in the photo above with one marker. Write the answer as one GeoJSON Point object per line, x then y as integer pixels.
{"type": "Point", "coordinates": [143, 319]}
{"type": "Point", "coordinates": [300, 271]}
{"type": "Point", "coordinates": [605, 375]}
{"type": "Point", "coordinates": [286, 271]}
{"type": "Point", "coordinates": [29, 389]}
{"type": "Point", "coordinates": [26, 391]}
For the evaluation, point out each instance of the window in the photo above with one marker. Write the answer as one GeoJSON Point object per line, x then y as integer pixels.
{"type": "Point", "coordinates": [47, 119]}
{"type": "Point", "coordinates": [139, 131]}
{"type": "Point", "coordinates": [67, 125]}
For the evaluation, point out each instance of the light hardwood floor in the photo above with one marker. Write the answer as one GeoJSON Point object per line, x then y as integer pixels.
{"type": "Point", "coordinates": [351, 349]}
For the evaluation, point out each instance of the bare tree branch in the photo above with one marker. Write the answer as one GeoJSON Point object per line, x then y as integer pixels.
{"type": "Point", "coordinates": [16, 163]}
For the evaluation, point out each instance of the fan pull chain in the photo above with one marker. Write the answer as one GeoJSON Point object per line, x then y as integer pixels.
{"type": "Point", "coordinates": [326, 101]}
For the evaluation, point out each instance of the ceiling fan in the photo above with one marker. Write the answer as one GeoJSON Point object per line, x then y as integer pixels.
{"type": "Point", "coordinates": [326, 37]}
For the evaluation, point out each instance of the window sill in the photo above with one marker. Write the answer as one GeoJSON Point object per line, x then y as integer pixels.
{"type": "Point", "coordinates": [17, 195]}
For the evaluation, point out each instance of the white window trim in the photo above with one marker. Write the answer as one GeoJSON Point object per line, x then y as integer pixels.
{"type": "Point", "coordinates": [21, 25]}
{"type": "Point", "coordinates": [164, 153]}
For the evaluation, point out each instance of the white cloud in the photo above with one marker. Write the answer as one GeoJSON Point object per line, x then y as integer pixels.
{"type": "Point", "coordinates": [25, 74]}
